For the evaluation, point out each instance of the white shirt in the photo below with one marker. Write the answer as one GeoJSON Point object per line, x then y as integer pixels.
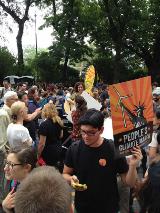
{"type": "Point", "coordinates": [18, 135]}
{"type": "Point", "coordinates": [5, 113]}
{"type": "Point", "coordinates": [154, 142]}
{"type": "Point", "coordinates": [108, 129]}
{"type": "Point", "coordinates": [68, 95]}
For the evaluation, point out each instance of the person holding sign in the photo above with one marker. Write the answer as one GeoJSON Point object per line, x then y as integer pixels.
{"type": "Point", "coordinates": [91, 167]}
{"type": "Point", "coordinates": [78, 89]}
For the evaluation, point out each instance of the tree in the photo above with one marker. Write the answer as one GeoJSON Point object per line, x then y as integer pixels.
{"type": "Point", "coordinates": [121, 32]}
{"type": "Point", "coordinates": [14, 9]}
{"type": "Point", "coordinates": [135, 25]}
{"type": "Point", "coordinates": [68, 28]}
{"type": "Point", "coordinates": [7, 63]}
{"type": "Point", "coordinates": [47, 68]}
{"type": "Point", "coordinates": [30, 54]}
{"type": "Point", "coordinates": [50, 71]}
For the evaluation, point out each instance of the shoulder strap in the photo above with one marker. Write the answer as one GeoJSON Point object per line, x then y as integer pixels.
{"type": "Point", "coordinates": [2, 93]}
{"type": "Point", "coordinates": [75, 152]}
{"type": "Point", "coordinates": [111, 146]}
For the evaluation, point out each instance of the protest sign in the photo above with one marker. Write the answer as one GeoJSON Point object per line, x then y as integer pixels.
{"type": "Point", "coordinates": [132, 114]}
{"type": "Point", "coordinates": [91, 102]}
{"type": "Point", "coordinates": [89, 78]}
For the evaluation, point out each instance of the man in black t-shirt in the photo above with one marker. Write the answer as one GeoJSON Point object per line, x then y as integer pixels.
{"type": "Point", "coordinates": [91, 161]}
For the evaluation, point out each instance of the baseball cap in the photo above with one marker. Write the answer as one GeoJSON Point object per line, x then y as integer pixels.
{"type": "Point", "coordinates": [156, 91]}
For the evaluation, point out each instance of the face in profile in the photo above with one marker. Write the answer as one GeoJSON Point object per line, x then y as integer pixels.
{"type": "Point", "coordinates": [6, 84]}
{"type": "Point", "coordinates": [156, 98]}
{"type": "Point", "coordinates": [24, 111]}
{"type": "Point", "coordinates": [13, 169]}
{"type": "Point", "coordinates": [25, 99]}
{"type": "Point", "coordinates": [19, 109]}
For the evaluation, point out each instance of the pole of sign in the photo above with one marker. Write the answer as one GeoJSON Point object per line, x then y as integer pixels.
{"type": "Point", "coordinates": [36, 33]}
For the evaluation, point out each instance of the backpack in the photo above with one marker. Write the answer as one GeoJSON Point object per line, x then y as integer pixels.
{"type": "Point", "coordinates": [2, 93]}
{"type": "Point", "coordinates": [76, 147]}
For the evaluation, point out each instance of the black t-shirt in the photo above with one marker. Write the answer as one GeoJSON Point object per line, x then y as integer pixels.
{"type": "Point", "coordinates": [97, 168]}
{"type": "Point", "coordinates": [52, 150]}
{"type": "Point", "coordinates": [31, 126]}
{"type": "Point", "coordinates": [51, 130]}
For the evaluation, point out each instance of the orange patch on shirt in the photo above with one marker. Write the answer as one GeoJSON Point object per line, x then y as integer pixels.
{"type": "Point", "coordinates": [102, 162]}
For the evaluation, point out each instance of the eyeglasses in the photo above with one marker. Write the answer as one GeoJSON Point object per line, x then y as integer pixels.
{"type": "Point", "coordinates": [11, 165]}
{"type": "Point", "coordinates": [88, 133]}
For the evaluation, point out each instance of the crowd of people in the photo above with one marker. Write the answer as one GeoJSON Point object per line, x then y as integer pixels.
{"type": "Point", "coordinates": [35, 171]}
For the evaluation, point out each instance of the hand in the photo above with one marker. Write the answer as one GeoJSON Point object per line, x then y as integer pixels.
{"type": "Point", "coordinates": [38, 110]}
{"type": "Point", "coordinates": [76, 185]}
{"type": "Point", "coordinates": [74, 179]}
{"type": "Point", "coordinates": [9, 201]}
{"type": "Point", "coordinates": [136, 156]}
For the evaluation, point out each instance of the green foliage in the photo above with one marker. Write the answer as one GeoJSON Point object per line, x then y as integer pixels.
{"type": "Point", "coordinates": [46, 67]}
{"type": "Point", "coordinates": [69, 30]}
{"type": "Point", "coordinates": [135, 26]}
{"type": "Point", "coordinates": [49, 70]}
{"type": "Point", "coordinates": [23, 70]}
{"type": "Point", "coordinates": [119, 37]}
{"type": "Point", "coordinates": [7, 63]}
{"type": "Point", "coordinates": [73, 75]}
{"type": "Point", "coordinates": [19, 11]}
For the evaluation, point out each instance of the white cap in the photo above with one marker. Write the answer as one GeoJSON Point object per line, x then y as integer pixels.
{"type": "Point", "coordinates": [156, 91]}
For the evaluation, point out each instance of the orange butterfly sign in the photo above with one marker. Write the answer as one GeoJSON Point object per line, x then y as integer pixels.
{"type": "Point", "coordinates": [102, 162]}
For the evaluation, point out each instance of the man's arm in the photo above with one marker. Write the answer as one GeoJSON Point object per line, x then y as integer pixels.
{"type": "Point", "coordinates": [68, 175]}
{"type": "Point", "coordinates": [30, 117]}
{"type": "Point", "coordinates": [152, 152]}
{"type": "Point", "coordinates": [41, 144]}
{"type": "Point", "coordinates": [131, 176]}
{"type": "Point", "coordinates": [61, 134]}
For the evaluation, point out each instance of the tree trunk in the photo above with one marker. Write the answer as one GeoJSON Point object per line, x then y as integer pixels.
{"type": "Point", "coordinates": [20, 21]}
{"type": "Point", "coordinates": [19, 44]}
{"type": "Point", "coordinates": [117, 66]}
{"type": "Point", "coordinates": [68, 39]}
{"type": "Point", "coordinates": [65, 64]}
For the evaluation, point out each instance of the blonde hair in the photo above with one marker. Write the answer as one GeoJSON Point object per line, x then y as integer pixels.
{"type": "Point", "coordinates": [15, 108]}
{"type": "Point", "coordinates": [50, 111]}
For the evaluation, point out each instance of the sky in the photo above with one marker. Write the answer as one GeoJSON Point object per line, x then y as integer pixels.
{"type": "Point", "coordinates": [44, 38]}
